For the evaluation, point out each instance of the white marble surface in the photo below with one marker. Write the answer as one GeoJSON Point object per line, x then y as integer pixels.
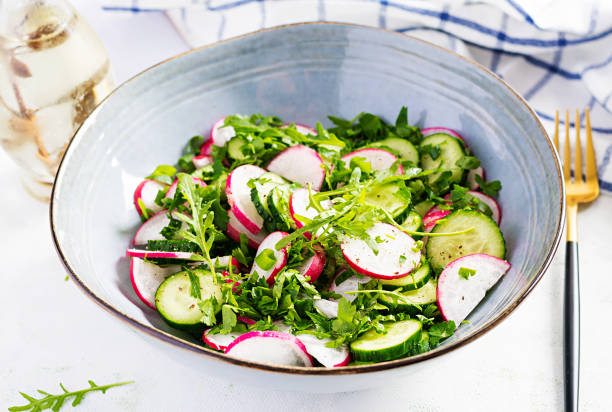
{"type": "Point", "coordinates": [52, 333]}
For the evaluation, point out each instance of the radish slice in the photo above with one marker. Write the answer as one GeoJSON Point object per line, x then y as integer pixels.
{"type": "Point", "coordinates": [151, 229]}
{"type": "Point", "coordinates": [471, 177]}
{"type": "Point", "coordinates": [206, 149]}
{"type": "Point", "coordinates": [299, 205]}
{"type": "Point", "coordinates": [142, 253]}
{"type": "Point", "coordinates": [235, 228]}
{"type": "Point", "coordinates": [201, 161]}
{"type": "Point", "coordinates": [280, 255]}
{"type": "Point", "coordinates": [327, 307]}
{"type": "Point", "coordinates": [146, 278]}
{"type": "Point", "coordinates": [312, 267]}
{"type": "Point", "coordinates": [457, 296]}
{"type": "Point", "coordinates": [299, 164]}
{"type": "Point", "coordinates": [379, 159]}
{"type": "Point", "coordinates": [305, 130]}
{"type": "Point", "coordinates": [328, 357]}
{"type": "Point", "coordinates": [239, 196]}
{"type": "Point", "coordinates": [431, 218]}
{"type": "Point", "coordinates": [492, 203]}
{"type": "Point", "coordinates": [219, 341]}
{"type": "Point", "coordinates": [172, 189]}
{"type": "Point", "coordinates": [441, 130]}
{"type": "Point", "coordinates": [220, 135]}
{"type": "Point", "coordinates": [397, 253]}
{"type": "Point", "coordinates": [349, 285]}
{"type": "Point", "coordinates": [277, 348]}
{"type": "Point", "coordinates": [146, 192]}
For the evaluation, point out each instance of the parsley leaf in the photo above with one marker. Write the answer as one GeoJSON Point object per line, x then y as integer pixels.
{"type": "Point", "coordinates": [266, 259]}
{"type": "Point", "coordinates": [440, 331]}
{"type": "Point", "coordinates": [488, 188]}
{"type": "Point", "coordinates": [344, 323]}
{"type": "Point", "coordinates": [163, 174]}
{"type": "Point", "coordinates": [229, 319]}
{"type": "Point", "coordinates": [468, 162]}
{"type": "Point", "coordinates": [195, 290]}
{"type": "Point", "coordinates": [433, 150]}
{"type": "Point", "coordinates": [465, 273]}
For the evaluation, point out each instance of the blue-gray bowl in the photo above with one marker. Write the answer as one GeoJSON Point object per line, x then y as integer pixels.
{"type": "Point", "coordinates": [301, 73]}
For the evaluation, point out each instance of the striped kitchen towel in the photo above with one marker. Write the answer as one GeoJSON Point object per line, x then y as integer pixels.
{"type": "Point", "coordinates": [556, 53]}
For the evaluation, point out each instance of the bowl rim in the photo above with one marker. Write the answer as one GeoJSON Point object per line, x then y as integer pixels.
{"type": "Point", "coordinates": [296, 370]}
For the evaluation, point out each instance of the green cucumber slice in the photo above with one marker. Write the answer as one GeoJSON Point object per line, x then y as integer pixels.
{"type": "Point", "coordinates": [384, 196]}
{"type": "Point", "coordinates": [175, 303]}
{"type": "Point", "coordinates": [278, 206]}
{"type": "Point", "coordinates": [412, 222]}
{"type": "Point", "coordinates": [234, 148]}
{"type": "Point", "coordinates": [402, 147]}
{"type": "Point", "coordinates": [401, 338]}
{"type": "Point", "coordinates": [415, 279]}
{"type": "Point", "coordinates": [413, 300]}
{"type": "Point", "coordinates": [451, 151]}
{"type": "Point", "coordinates": [485, 237]}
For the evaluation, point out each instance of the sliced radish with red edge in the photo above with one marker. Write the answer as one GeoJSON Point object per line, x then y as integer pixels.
{"type": "Point", "coordinates": [299, 205]}
{"type": "Point", "coordinates": [471, 177]}
{"type": "Point", "coordinates": [219, 341]}
{"type": "Point", "coordinates": [201, 161]}
{"type": "Point", "coordinates": [328, 357]}
{"type": "Point", "coordinates": [305, 130]}
{"type": "Point", "coordinates": [379, 159]}
{"type": "Point", "coordinates": [348, 285]}
{"type": "Point", "coordinates": [457, 296]}
{"type": "Point", "coordinates": [431, 218]}
{"type": "Point", "coordinates": [313, 266]}
{"type": "Point", "coordinates": [219, 134]}
{"type": "Point", "coordinates": [206, 149]}
{"type": "Point", "coordinates": [152, 254]}
{"type": "Point", "coordinates": [151, 229]}
{"type": "Point", "coordinates": [276, 348]}
{"type": "Point", "coordinates": [146, 278]}
{"type": "Point", "coordinates": [491, 203]}
{"type": "Point", "coordinates": [280, 256]}
{"type": "Point", "coordinates": [235, 229]}
{"type": "Point", "coordinates": [239, 196]}
{"type": "Point", "coordinates": [397, 253]}
{"type": "Point", "coordinates": [327, 307]}
{"type": "Point", "coordinates": [299, 164]}
{"type": "Point", "coordinates": [146, 192]}
{"type": "Point", "coordinates": [441, 130]}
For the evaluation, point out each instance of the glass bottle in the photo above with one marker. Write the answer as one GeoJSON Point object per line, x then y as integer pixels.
{"type": "Point", "coordinates": [53, 72]}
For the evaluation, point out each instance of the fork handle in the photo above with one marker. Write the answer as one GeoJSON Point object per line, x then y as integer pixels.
{"type": "Point", "coordinates": [571, 334]}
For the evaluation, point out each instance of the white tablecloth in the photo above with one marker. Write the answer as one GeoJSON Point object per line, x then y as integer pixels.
{"type": "Point", "coordinates": [52, 333]}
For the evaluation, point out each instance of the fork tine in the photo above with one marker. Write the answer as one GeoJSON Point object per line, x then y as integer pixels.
{"type": "Point", "coordinates": [591, 165]}
{"type": "Point", "coordinates": [557, 130]}
{"type": "Point", "coordinates": [566, 151]}
{"type": "Point", "coordinates": [578, 151]}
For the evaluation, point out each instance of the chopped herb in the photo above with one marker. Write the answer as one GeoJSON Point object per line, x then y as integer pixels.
{"type": "Point", "coordinates": [266, 259]}
{"type": "Point", "coordinates": [468, 162]}
{"type": "Point", "coordinates": [488, 188]}
{"type": "Point", "coordinates": [195, 290]}
{"type": "Point", "coordinates": [465, 273]}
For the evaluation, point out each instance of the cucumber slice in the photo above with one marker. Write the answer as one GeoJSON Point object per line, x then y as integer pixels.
{"type": "Point", "coordinates": [384, 196]}
{"type": "Point", "coordinates": [413, 222]}
{"type": "Point", "coordinates": [401, 338]}
{"type": "Point", "coordinates": [402, 147]}
{"type": "Point", "coordinates": [451, 150]}
{"type": "Point", "coordinates": [485, 237]}
{"type": "Point", "coordinates": [278, 206]}
{"type": "Point", "coordinates": [423, 207]}
{"type": "Point", "coordinates": [176, 305]}
{"type": "Point", "coordinates": [415, 279]}
{"type": "Point", "coordinates": [234, 148]}
{"type": "Point", "coordinates": [413, 300]}
{"type": "Point", "coordinates": [262, 188]}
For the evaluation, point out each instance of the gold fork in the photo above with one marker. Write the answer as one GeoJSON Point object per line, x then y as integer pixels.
{"type": "Point", "coordinates": [582, 189]}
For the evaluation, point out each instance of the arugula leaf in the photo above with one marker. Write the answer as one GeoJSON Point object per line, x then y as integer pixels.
{"type": "Point", "coordinates": [465, 273]}
{"type": "Point", "coordinates": [195, 289]}
{"type": "Point", "coordinates": [468, 162]}
{"type": "Point", "coordinates": [458, 193]}
{"type": "Point", "coordinates": [55, 402]}
{"type": "Point", "coordinates": [346, 312]}
{"type": "Point", "coordinates": [440, 331]}
{"type": "Point", "coordinates": [266, 259]}
{"type": "Point", "coordinates": [488, 188]}
{"type": "Point", "coordinates": [209, 308]}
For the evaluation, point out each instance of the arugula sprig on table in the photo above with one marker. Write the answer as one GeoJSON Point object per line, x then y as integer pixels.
{"type": "Point", "coordinates": [55, 402]}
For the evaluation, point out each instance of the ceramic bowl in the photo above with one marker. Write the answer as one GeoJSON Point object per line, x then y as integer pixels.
{"type": "Point", "coordinates": [301, 73]}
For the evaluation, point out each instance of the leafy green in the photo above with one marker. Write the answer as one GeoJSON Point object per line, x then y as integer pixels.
{"type": "Point", "coordinates": [465, 273]}
{"type": "Point", "coordinates": [195, 289]}
{"type": "Point", "coordinates": [488, 188]}
{"type": "Point", "coordinates": [433, 150]}
{"type": "Point", "coordinates": [266, 259]}
{"type": "Point", "coordinates": [163, 174]}
{"type": "Point", "coordinates": [468, 162]}
{"type": "Point", "coordinates": [440, 331]}
{"type": "Point", "coordinates": [55, 402]}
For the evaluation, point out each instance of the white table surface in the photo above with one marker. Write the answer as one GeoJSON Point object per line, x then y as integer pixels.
{"type": "Point", "coordinates": [51, 332]}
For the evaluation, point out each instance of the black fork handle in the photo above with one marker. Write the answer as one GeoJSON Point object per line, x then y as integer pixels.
{"type": "Point", "coordinates": [571, 333]}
